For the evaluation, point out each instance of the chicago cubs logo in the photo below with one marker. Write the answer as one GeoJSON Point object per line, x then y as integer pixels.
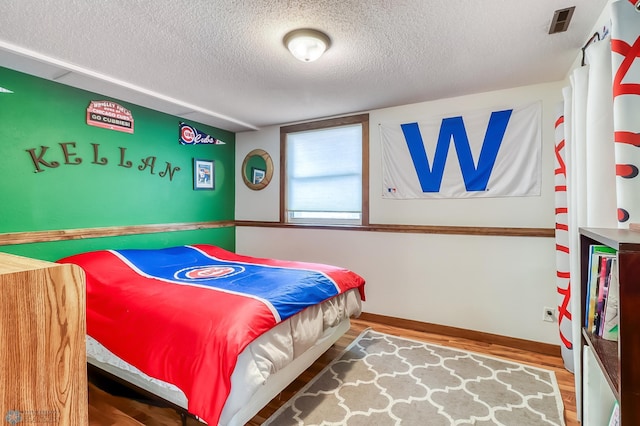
{"type": "Point", "coordinates": [211, 272]}
{"type": "Point", "coordinates": [187, 134]}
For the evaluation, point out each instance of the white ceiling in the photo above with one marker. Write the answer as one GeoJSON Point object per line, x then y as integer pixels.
{"type": "Point", "coordinates": [223, 63]}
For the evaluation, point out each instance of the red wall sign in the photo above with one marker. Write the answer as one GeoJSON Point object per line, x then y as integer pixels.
{"type": "Point", "coordinates": [109, 115]}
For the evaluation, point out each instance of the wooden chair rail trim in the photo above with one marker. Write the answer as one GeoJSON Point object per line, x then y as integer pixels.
{"type": "Point", "coordinates": [28, 237]}
{"type": "Point", "coordinates": [415, 229]}
{"type": "Point", "coordinates": [495, 339]}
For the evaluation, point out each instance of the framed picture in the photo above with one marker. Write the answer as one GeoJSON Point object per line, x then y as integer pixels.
{"type": "Point", "coordinates": [203, 174]}
{"type": "Point", "coordinates": [257, 175]}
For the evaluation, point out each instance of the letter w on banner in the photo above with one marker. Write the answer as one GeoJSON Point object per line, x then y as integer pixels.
{"type": "Point", "coordinates": [490, 153]}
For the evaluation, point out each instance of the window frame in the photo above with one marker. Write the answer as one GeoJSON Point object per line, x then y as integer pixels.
{"type": "Point", "coordinates": [363, 120]}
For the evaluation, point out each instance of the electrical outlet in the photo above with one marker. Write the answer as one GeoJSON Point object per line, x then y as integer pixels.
{"type": "Point", "coordinates": [548, 314]}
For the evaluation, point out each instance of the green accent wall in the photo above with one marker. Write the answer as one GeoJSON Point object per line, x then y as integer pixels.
{"type": "Point", "coordinates": [91, 186]}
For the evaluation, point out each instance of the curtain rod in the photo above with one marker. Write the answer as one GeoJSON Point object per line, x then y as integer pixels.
{"type": "Point", "coordinates": [591, 40]}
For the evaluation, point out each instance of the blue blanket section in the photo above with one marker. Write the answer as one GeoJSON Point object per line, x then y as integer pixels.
{"type": "Point", "coordinates": [288, 290]}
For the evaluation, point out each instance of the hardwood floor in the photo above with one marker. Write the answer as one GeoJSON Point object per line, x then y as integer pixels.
{"type": "Point", "coordinates": [106, 409]}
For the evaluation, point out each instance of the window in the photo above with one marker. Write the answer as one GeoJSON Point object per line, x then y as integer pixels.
{"type": "Point", "coordinates": [325, 171]}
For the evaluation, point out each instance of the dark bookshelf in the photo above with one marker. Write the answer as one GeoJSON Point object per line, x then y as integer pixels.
{"type": "Point", "coordinates": [606, 353]}
{"type": "Point", "coordinates": [618, 360]}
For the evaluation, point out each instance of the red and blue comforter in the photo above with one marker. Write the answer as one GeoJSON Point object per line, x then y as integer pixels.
{"type": "Point", "coordinates": [184, 314]}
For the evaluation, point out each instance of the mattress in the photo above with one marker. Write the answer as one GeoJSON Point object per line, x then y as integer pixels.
{"type": "Point", "coordinates": [269, 356]}
{"type": "Point", "coordinates": [184, 314]}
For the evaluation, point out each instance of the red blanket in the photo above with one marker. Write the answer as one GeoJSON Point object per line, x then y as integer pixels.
{"type": "Point", "coordinates": [184, 314]}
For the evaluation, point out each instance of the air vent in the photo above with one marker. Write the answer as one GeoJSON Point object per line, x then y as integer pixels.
{"type": "Point", "coordinates": [561, 20]}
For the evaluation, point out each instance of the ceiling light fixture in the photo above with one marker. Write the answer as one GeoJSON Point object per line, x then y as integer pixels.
{"type": "Point", "coordinates": [306, 44]}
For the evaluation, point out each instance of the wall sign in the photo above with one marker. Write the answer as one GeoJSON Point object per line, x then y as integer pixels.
{"type": "Point", "coordinates": [43, 159]}
{"type": "Point", "coordinates": [189, 135]}
{"type": "Point", "coordinates": [109, 115]}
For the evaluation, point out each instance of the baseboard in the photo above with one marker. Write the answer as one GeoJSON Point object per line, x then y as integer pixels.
{"type": "Point", "coordinates": [496, 339]}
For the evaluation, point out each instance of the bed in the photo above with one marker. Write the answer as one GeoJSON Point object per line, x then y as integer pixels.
{"type": "Point", "coordinates": [216, 333]}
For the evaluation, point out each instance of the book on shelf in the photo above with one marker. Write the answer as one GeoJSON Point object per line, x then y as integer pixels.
{"type": "Point", "coordinates": [603, 290]}
{"type": "Point", "coordinates": [609, 329]}
{"type": "Point", "coordinates": [596, 255]}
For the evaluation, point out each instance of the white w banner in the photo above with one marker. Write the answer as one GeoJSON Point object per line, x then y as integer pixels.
{"type": "Point", "coordinates": [495, 153]}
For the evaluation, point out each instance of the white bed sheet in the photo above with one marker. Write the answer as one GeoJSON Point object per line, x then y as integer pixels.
{"type": "Point", "coordinates": [270, 353]}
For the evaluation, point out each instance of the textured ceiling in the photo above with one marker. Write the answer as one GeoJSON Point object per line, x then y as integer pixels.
{"type": "Point", "coordinates": [222, 62]}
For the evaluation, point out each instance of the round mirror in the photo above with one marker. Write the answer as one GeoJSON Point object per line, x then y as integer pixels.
{"type": "Point", "coordinates": [257, 169]}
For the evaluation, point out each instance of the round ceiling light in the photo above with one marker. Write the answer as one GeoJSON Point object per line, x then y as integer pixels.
{"type": "Point", "coordinates": [306, 44]}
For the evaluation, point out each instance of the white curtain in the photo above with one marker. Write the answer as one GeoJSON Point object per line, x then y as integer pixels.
{"type": "Point", "coordinates": [625, 60]}
{"type": "Point", "coordinates": [602, 137]}
{"type": "Point", "coordinates": [600, 164]}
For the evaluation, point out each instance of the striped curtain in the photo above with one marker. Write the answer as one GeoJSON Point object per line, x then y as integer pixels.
{"type": "Point", "coordinates": [562, 242]}
{"type": "Point", "coordinates": [597, 140]}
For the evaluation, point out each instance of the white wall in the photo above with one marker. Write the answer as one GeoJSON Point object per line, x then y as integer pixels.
{"type": "Point", "coordinates": [264, 204]}
{"type": "Point", "coordinates": [491, 284]}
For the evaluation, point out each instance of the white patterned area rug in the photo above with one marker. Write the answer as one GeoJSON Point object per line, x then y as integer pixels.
{"type": "Point", "coordinates": [386, 380]}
